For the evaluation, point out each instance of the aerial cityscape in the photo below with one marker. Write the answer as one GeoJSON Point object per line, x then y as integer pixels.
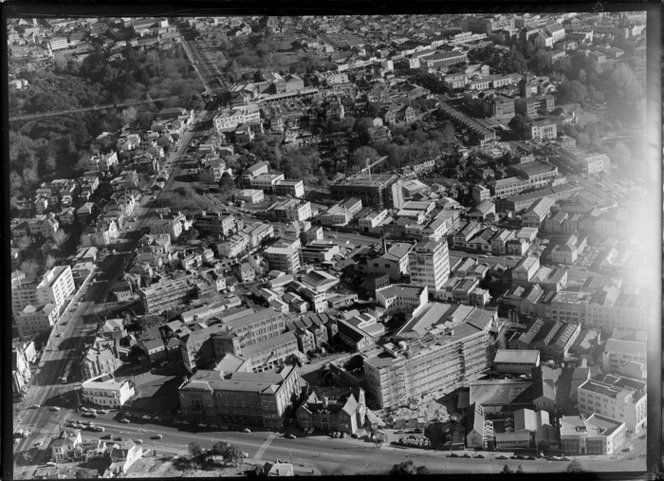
{"type": "Point", "coordinates": [328, 245]}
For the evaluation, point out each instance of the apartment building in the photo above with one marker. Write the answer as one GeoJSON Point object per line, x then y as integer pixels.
{"type": "Point", "coordinates": [106, 392]}
{"type": "Point", "coordinates": [245, 398]}
{"type": "Point", "coordinates": [294, 188]}
{"type": "Point", "coordinates": [374, 191]}
{"type": "Point", "coordinates": [101, 162]}
{"type": "Point", "coordinates": [530, 106]}
{"type": "Point", "coordinates": [542, 129]}
{"type": "Point", "coordinates": [618, 398]}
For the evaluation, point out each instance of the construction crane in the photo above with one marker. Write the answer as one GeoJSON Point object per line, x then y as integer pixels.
{"type": "Point", "coordinates": [369, 166]}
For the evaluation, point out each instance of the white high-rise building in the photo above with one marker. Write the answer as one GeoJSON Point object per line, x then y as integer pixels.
{"type": "Point", "coordinates": [56, 285]}
{"type": "Point", "coordinates": [429, 265]}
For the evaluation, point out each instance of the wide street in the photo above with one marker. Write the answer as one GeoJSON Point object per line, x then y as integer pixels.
{"type": "Point", "coordinates": [67, 340]}
{"type": "Point", "coordinates": [336, 456]}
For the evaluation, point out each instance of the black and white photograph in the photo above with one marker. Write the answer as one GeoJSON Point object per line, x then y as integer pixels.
{"type": "Point", "coordinates": [345, 244]}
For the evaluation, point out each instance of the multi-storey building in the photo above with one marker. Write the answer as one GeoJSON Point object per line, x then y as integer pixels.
{"type": "Point", "coordinates": [372, 190]}
{"type": "Point", "coordinates": [612, 307]}
{"type": "Point", "coordinates": [229, 119]}
{"type": "Point", "coordinates": [234, 246]}
{"type": "Point", "coordinates": [429, 264]}
{"type": "Point", "coordinates": [402, 298]}
{"type": "Point", "coordinates": [167, 293]}
{"type": "Point", "coordinates": [435, 359]}
{"type": "Point", "coordinates": [36, 319]}
{"type": "Point", "coordinates": [289, 187]}
{"type": "Point", "coordinates": [252, 326]}
{"type": "Point", "coordinates": [617, 352]}
{"type": "Point", "coordinates": [245, 398]}
{"type": "Point", "coordinates": [618, 398]}
{"type": "Point", "coordinates": [542, 129]}
{"type": "Point", "coordinates": [56, 285]}
{"type": "Point", "coordinates": [595, 434]}
{"type": "Point", "coordinates": [530, 106]}
{"type": "Point", "coordinates": [284, 257]}
{"type": "Point", "coordinates": [393, 262]}
{"type": "Point", "coordinates": [105, 391]}
{"type": "Point", "coordinates": [293, 209]}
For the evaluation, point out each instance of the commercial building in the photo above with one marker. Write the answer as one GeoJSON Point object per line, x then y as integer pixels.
{"type": "Point", "coordinates": [618, 398]}
{"type": "Point", "coordinates": [105, 391]}
{"type": "Point", "coordinates": [617, 352]}
{"type": "Point", "coordinates": [293, 209]}
{"type": "Point", "coordinates": [516, 361]}
{"type": "Point", "coordinates": [284, 257]}
{"type": "Point", "coordinates": [402, 298]}
{"type": "Point", "coordinates": [100, 359]}
{"type": "Point", "coordinates": [244, 398]}
{"type": "Point", "coordinates": [595, 434]}
{"type": "Point", "coordinates": [429, 265]}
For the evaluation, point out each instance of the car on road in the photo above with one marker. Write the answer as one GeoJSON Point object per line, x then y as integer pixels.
{"type": "Point", "coordinates": [118, 438]}
{"type": "Point", "coordinates": [453, 455]}
{"type": "Point", "coordinates": [480, 456]}
{"type": "Point", "coordinates": [502, 456]}
{"type": "Point", "coordinates": [102, 411]}
{"type": "Point", "coordinates": [54, 408]}
{"type": "Point", "coordinates": [125, 421]}
{"type": "Point", "coordinates": [531, 458]}
{"type": "Point", "coordinates": [157, 436]}
{"type": "Point", "coordinates": [138, 441]}
{"type": "Point", "coordinates": [107, 436]}
{"type": "Point", "coordinates": [466, 455]}
{"type": "Point", "coordinates": [290, 436]}
{"type": "Point", "coordinates": [89, 415]}
{"type": "Point", "coordinates": [38, 444]}
{"type": "Point", "coordinates": [36, 406]}
{"type": "Point", "coordinates": [246, 430]}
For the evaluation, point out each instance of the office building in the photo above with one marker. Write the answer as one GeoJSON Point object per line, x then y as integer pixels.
{"type": "Point", "coordinates": [429, 265]}
{"type": "Point", "coordinates": [105, 391]}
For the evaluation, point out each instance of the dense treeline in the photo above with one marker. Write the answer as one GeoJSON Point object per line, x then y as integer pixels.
{"type": "Point", "coordinates": [42, 147]}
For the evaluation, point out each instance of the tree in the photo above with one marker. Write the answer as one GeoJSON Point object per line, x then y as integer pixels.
{"type": "Point", "coordinates": [574, 467]}
{"type": "Point", "coordinates": [49, 262]}
{"type": "Point", "coordinates": [128, 115]}
{"type": "Point", "coordinates": [569, 92]}
{"type": "Point", "coordinates": [506, 470]}
{"type": "Point", "coordinates": [226, 183]}
{"type": "Point", "coordinates": [60, 237]}
{"type": "Point", "coordinates": [519, 123]}
{"type": "Point", "coordinates": [519, 469]}
{"type": "Point", "coordinates": [31, 269]}
{"type": "Point", "coordinates": [15, 182]}
{"type": "Point", "coordinates": [407, 468]}
{"type": "Point", "coordinates": [195, 449]}
{"type": "Point", "coordinates": [363, 154]}
{"type": "Point", "coordinates": [230, 452]}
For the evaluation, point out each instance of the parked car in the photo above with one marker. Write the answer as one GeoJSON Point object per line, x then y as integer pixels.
{"type": "Point", "coordinates": [107, 436]}
{"type": "Point", "coordinates": [289, 436]}
{"type": "Point", "coordinates": [89, 415]}
{"type": "Point", "coordinates": [502, 456]}
{"type": "Point", "coordinates": [466, 455]}
{"type": "Point", "coordinates": [36, 406]}
{"type": "Point", "coordinates": [118, 438]}
{"type": "Point", "coordinates": [157, 436]}
{"type": "Point", "coordinates": [125, 421]}
{"type": "Point", "coordinates": [246, 430]}
{"type": "Point", "coordinates": [138, 441]}
{"type": "Point", "coordinates": [54, 408]}
{"type": "Point", "coordinates": [480, 456]}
